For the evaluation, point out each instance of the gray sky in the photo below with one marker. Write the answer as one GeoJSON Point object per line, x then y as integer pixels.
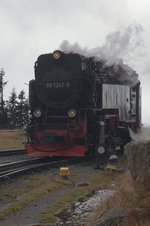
{"type": "Point", "coordinates": [33, 27]}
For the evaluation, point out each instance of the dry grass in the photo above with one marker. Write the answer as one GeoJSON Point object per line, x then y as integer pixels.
{"type": "Point", "coordinates": [126, 197]}
{"type": "Point", "coordinates": [12, 139]}
{"type": "Point", "coordinates": [16, 198]}
{"type": "Point", "coordinates": [97, 179]}
{"type": "Point", "coordinates": [142, 217]}
{"type": "Point", "coordinates": [33, 189]}
{"type": "Point", "coordinates": [11, 193]}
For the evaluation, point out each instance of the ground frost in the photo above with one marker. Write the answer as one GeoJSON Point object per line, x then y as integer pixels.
{"type": "Point", "coordinates": [79, 211]}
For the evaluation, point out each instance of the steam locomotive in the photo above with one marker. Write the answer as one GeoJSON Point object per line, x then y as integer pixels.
{"type": "Point", "coordinates": [81, 106]}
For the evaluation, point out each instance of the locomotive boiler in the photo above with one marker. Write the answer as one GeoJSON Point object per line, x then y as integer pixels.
{"type": "Point", "coordinates": [81, 106]}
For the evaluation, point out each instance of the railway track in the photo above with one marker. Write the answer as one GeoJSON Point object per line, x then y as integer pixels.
{"type": "Point", "coordinates": [13, 152]}
{"type": "Point", "coordinates": [8, 170]}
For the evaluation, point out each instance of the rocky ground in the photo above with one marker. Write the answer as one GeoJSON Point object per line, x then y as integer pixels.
{"type": "Point", "coordinates": [30, 215]}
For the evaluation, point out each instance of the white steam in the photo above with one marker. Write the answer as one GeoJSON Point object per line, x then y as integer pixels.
{"type": "Point", "coordinates": [119, 44]}
{"type": "Point", "coordinates": [143, 135]}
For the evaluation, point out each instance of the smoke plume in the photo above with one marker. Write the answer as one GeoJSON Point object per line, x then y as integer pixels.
{"type": "Point", "coordinates": [143, 135]}
{"type": "Point", "coordinates": [119, 46]}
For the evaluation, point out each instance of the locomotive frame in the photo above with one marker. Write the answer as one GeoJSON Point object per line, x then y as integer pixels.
{"type": "Point", "coordinates": [79, 108]}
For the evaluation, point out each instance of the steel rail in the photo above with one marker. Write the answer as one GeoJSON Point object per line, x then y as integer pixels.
{"type": "Point", "coordinates": [13, 152]}
{"type": "Point", "coordinates": [12, 169]}
{"type": "Point", "coordinates": [12, 165]}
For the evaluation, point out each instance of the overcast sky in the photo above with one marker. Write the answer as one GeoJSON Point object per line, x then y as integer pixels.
{"type": "Point", "coordinates": [33, 27]}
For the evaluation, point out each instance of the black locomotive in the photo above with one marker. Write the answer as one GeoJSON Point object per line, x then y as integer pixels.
{"type": "Point", "coordinates": [81, 106]}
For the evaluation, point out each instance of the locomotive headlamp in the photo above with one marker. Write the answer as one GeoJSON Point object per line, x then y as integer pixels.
{"type": "Point", "coordinates": [56, 55]}
{"type": "Point", "coordinates": [37, 113]}
{"type": "Point", "coordinates": [72, 113]}
{"type": "Point", "coordinates": [101, 150]}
